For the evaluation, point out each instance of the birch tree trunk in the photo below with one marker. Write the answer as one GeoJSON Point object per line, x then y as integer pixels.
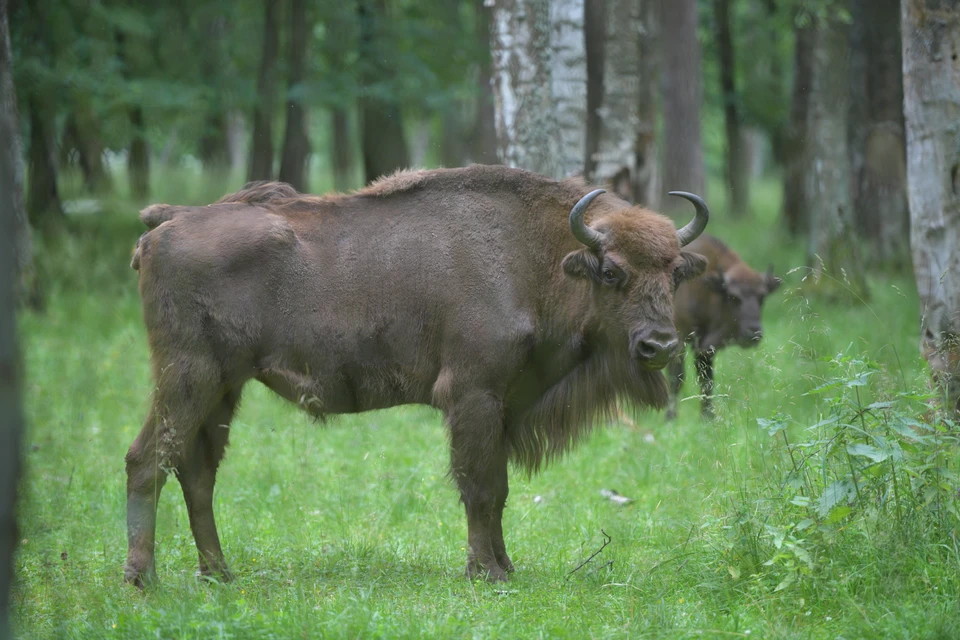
{"type": "Point", "coordinates": [539, 75]}
{"type": "Point", "coordinates": [931, 49]}
{"type": "Point", "coordinates": [832, 244]}
{"type": "Point", "coordinates": [683, 166]}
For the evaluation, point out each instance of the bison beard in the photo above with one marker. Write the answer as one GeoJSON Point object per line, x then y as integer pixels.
{"type": "Point", "coordinates": [465, 289]}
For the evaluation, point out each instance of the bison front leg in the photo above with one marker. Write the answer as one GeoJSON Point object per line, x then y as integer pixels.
{"type": "Point", "coordinates": [704, 363]}
{"type": "Point", "coordinates": [478, 463]}
{"type": "Point", "coordinates": [675, 375]}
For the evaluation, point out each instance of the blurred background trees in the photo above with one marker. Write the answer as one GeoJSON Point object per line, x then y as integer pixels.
{"type": "Point", "coordinates": [719, 97]}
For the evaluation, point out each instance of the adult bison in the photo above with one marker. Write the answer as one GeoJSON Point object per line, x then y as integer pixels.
{"type": "Point", "coordinates": [721, 307]}
{"type": "Point", "coordinates": [480, 291]}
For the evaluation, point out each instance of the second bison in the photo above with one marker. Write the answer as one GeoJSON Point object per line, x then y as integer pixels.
{"type": "Point", "coordinates": [721, 307]}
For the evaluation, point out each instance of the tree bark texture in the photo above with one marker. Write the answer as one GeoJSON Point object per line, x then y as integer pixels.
{"type": "Point", "coordinates": [683, 166]}
{"type": "Point", "coordinates": [484, 138]}
{"type": "Point", "coordinates": [880, 189]}
{"type": "Point", "coordinates": [82, 134]}
{"type": "Point", "coordinates": [12, 221]}
{"type": "Point", "coordinates": [296, 143]}
{"type": "Point", "coordinates": [539, 69]}
{"type": "Point", "coordinates": [831, 248]}
{"type": "Point", "coordinates": [795, 209]}
{"type": "Point", "coordinates": [383, 143]}
{"type": "Point", "coordinates": [261, 154]}
{"type": "Point", "coordinates": [738, 194]}
{"type": "Point", "coordinates": [931, 71]}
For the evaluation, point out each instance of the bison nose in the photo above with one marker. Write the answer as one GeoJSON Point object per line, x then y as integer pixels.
{"type": "Point", "coordinates": [654, 348]}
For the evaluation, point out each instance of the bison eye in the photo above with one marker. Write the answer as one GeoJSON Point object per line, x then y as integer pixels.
{"type": "Point", "coordinates": [609, 277]}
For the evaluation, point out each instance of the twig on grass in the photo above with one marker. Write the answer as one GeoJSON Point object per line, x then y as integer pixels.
{"type": "Point", "coordinates": [593, 555]}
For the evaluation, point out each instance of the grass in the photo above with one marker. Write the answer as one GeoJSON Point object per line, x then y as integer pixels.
{"type": "Point", "coordinates": [353, 530]}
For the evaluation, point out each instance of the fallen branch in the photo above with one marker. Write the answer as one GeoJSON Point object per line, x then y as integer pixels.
{"type": "Point", "coordinates": [592, 555]}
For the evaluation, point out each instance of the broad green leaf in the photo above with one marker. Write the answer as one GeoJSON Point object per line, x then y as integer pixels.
{"type": "Point", "coordinates": [839, 492]}
{"type": "Point", "coordinates": [869, 451]}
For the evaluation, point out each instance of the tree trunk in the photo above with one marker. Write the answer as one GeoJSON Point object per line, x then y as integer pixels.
{"type": "Point", "coordinates": [738, 195]}
{"type": "Point", "coordinates": [13, 243]}
{"type": "Point", "coordinates": [296, 143]}
{"type": "Point", "coordinates": [931, 48]}
{"type": "Point", "coordinates": [484, 138]}
{"type": "Point", "coordinates": [82, 134]}
{"type": "Point", "coordinates": [683, 151]}
{"type": "Point", "coordinates": [383, 144]}
{"type": "Point", "coordinates": [795, 209]}
{"type": "Point", "coordinates": [342, 149]}
{"type": "Point", "coordinates": [882, 217]}
{"type": "Point", "coordinates": [261, 154]}
{"type": "Point", "coordinates": [138, 160]}
{"type": "Point", "coordinates": [539, 69]}
{"type": "Point", "coordinates": [778, 135]}
{"type": "Point", "coordinates": [595, 40]}
{"type": "Point", "coordinates": [646, 188]}
{"type": "Point", "coordinates": [43, 200]}
{"type": "Point", "coordinates": [27, 286]}
{"type": "Point", "coordinates": [832, 246]}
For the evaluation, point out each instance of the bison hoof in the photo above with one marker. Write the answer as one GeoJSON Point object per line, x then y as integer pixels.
{"type": "Point", "coordinates": [215, 575]}
{"type": "Point", "coordinates": [671, 414]}
{"type": "Point", "coordinates": [492, 574]}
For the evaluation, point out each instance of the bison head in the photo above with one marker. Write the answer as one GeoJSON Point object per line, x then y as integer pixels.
{"type": "Point", "coordinates": [742, 292]}
{"type": "Point", "coordinates": [634, 261]}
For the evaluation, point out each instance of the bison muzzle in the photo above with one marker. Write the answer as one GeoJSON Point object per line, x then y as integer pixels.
{"type": "Point", "coordinates": [483, 292]}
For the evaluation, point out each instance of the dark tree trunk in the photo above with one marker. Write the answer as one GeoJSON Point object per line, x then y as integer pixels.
{"type": "Point", "coordinates": [82, 134]}
{"type": "Point", "coordinates": [296, 143]}
{"type": "Point", "coordinates": [795, 209]}
{"type": "Point", "coordinates": [383, 143]}
{"type": "Point", "coordinates": [27, 287]}
{"type": "Point", "coordinates": [214, 147]}
{"type": "Point", "coordinates": [738, 194]}
{"type": "Point", "coordinates": [138, 159]}
{"type": "Point", "coordinates": [453, 134]}
{"type": "Point", "coordinates": [485, 129]}
{"type": "Point", "coordinates": [683, 167]}
{"type": "Point", "coordinates": [12, 222]}
{"type": "Point", "coordinates": [342, 150]}
{"type": "Point", "coordinates": [881, 216]}
{"type": "Point", "coordinates": [832, 246]}
{"type": "Point", "coordinates": [594, 37]}
{"type": "Point", "coordinates": [43, 200]}
{"type": "Point", "coordinates": [778, 135]}
{"type": "Point", "coordinates": [261, 155]}
{"type": "Point", "coordinates": [645, 188]}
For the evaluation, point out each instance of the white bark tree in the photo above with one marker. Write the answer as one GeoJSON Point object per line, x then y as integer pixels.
{"type": "Point", "coordinates": [931, 49]}
{"type": "Point", "coordinates": [539, 82]}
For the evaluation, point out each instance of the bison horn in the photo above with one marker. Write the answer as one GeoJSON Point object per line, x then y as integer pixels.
{"type": "Point", "coordinates": [692, 230]}
{"type": "Point", "coordinates": [581, 231]}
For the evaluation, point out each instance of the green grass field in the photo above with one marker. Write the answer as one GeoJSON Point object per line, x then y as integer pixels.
{"type": "Point", "coordinates": [353, 530]}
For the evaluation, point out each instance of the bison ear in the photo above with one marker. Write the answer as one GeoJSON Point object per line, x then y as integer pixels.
{"type": "Point", "coordinates": [771, 281]}
{"type": "Point", "coordinates": [714, 281]}
{"type": "Point", "coordinates": [693, 265]}
{"type": "Point", "coordinates": [582, 264]}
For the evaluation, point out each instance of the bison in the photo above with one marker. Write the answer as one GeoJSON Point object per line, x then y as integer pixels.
{"type": "Point", "coordinates": [480, 291]}
{"type": "Point", "coordinates": [721, 307]}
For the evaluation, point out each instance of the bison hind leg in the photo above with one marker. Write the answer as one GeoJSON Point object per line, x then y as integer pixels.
{"type": "Point", "coordinates": [186, 393]}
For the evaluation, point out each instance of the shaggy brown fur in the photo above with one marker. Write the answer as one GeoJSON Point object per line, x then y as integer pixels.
{"type": "Point", "coordinates": [463, 289]}
{"type": "Point", "coordinates": [721, 307]}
